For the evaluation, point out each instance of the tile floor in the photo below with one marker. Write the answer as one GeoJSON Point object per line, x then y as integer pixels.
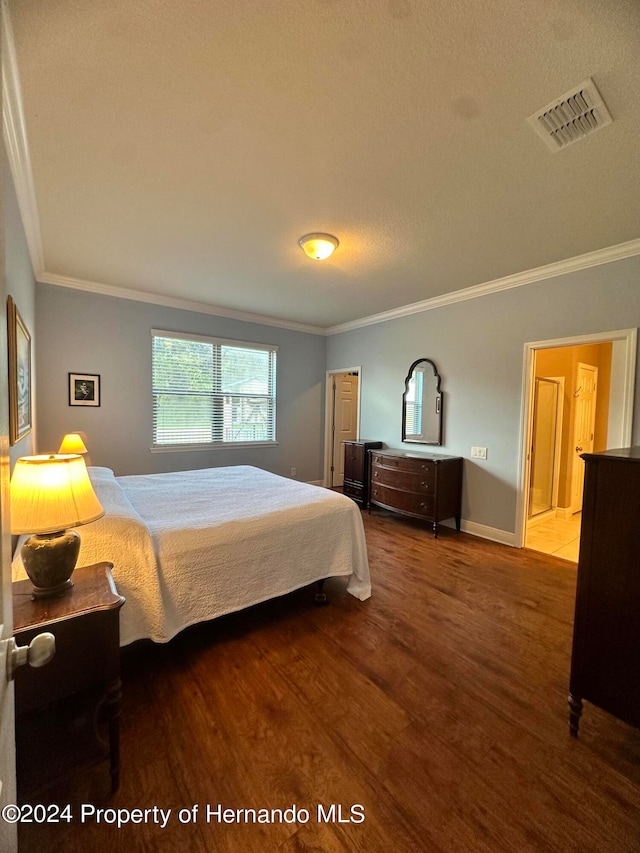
{"type": "Point", "coordinates": [557, 536]}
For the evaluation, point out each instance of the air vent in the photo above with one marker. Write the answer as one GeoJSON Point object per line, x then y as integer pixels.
{"type": "Point", "coordinates": [570, 118]}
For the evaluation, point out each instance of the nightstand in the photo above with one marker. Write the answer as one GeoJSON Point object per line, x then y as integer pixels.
{"type": "Point", "coordinates": [86, 625]}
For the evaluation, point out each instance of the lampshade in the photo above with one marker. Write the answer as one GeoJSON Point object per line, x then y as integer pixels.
{"type": "Point", "coordinates": [72, 443]}
{"type": "Point", "coordinates": [51, 493]}
{"type": "Point", "coordinates": [319, 247]}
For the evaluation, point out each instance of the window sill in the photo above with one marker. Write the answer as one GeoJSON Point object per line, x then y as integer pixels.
{"type": "Point", "coordinates": [229, 445]}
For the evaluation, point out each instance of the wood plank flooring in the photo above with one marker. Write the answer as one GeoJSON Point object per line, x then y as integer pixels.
{"type": "Point", "coordinates": [439, 705]}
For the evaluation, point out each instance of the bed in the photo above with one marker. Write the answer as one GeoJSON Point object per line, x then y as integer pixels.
{"type": "Point", "coordinates": [189, 546]}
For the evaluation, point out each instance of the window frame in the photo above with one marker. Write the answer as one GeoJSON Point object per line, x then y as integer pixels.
{"type": "Point", "coordinates": [221, 444]}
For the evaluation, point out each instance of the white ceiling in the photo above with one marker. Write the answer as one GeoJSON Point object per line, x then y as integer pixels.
{"type": "Point", "coordinates": [182, 148]}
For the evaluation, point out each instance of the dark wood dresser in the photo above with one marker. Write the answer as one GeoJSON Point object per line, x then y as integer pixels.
{"type": "Point", "coordinates": [605, 664]}
{"type": "Point", "coordinates": [422, 485]}
{"type": "Point", "coordinates": [356, 470]}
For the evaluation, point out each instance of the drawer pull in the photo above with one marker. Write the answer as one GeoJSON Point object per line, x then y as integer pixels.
{"type": "Point", "coordinates": [424, 485]}
{"type": "Point", "coordinates": [375, 474]}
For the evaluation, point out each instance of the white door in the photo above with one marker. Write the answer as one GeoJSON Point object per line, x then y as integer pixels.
{"type": "Point", "coordinates": [584, 425]}
{"type": "Point", "coordinates": [8, 835]}
{"type": "Point", "coordinates": [345, 420]}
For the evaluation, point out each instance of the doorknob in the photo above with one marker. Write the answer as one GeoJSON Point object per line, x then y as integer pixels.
{"type": "Point", "coordinates": [38, 653]}
{"type": "Point", "coordinates": [578, 450]}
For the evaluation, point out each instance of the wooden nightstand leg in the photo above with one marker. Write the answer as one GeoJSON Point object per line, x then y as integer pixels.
{"type": "Point", "coordinates": [112, 707]}
{"type": "Point", "coordinates": [575, 711]}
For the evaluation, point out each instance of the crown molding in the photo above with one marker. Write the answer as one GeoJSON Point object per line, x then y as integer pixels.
{"type": "Point", "coordinates": [569, 265]}
{"type": "Point", "coordinates": [17, 145]}
{"type": "Point", "coordinates": [176, 302]}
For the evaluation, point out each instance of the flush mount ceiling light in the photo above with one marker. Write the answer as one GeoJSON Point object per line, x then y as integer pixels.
{"type": "Point", "coordinates": [319, 247]}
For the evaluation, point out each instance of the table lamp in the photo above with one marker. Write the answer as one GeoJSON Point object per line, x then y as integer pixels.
{"type": "Point", "coordinates": [72, 443]}
{"type": "Point", "coordinates": [49, 494]}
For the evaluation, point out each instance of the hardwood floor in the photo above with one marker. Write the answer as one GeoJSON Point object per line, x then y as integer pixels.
{"type": "Point", "coordinates": [439, 705]}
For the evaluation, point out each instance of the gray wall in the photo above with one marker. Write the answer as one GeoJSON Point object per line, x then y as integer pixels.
{"type": "Point", "coordinates": [478, 347]}
{"type": "Point", "coordinates": [82, 332]}
{"type": "Point", "coordinates": [20, 284]}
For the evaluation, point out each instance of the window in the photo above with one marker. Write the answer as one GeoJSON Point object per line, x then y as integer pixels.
{"type": "Point", "coordinates": [208, 391]}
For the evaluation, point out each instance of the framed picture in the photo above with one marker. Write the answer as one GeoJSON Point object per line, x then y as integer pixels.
{"type": "Point", "coordinates": [19, 374]}
{"type": "Point", "coordinates": [84, 389]}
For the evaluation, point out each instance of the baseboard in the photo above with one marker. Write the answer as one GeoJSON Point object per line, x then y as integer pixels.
{"type": "Point", "coordinates": [564, 512]}
{"type": "Point", "coordinates": [542, 516]}
{"type": "Point", "coordinates": [504, 537]}
{"type": "Point", "coordinates": [315, 482]}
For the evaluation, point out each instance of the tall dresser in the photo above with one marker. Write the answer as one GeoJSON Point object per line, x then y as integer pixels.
{"type": "Point", "coordinates": [421, 485]}
{"type": "Point", "coordinates": [605, 664]}
{"type": "Point", "coordinates": [356, 470]}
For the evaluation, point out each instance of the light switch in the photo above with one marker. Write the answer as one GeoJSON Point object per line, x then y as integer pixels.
{"type": "Point", "coordinates": [478, 452]}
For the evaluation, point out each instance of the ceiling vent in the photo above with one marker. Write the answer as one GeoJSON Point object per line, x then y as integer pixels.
{"type": "Point", "coordinates": [570, 118]}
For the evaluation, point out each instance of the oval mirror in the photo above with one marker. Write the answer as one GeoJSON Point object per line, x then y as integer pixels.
{"type": "Point", "coordinates": [422, 404]}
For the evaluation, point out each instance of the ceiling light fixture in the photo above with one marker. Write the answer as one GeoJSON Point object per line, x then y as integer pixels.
{"type": "Point", "coordinates": [319, 247]}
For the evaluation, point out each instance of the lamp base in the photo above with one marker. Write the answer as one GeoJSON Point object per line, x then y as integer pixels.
{"type": "Point", "coordinates": [49, 560]}
{"type": "Point", "coordinates": [52, 591]}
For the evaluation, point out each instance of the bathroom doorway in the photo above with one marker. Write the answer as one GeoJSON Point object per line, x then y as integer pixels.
{"type": "Point", "coordinates": [577, 398]}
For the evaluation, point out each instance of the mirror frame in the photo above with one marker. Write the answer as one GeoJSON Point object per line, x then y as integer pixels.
{"type": "Point", "coordinates": [439, 402]}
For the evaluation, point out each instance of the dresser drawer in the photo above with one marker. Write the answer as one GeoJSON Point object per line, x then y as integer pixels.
{"type": "Point", "coordinates": [354, 490]}
{"type": "Point", "coordinates": [404, 463]}
{"type": "Point", "coordinates": [408, 481]}
{"type": "Point", "coordinates": [420, 505]}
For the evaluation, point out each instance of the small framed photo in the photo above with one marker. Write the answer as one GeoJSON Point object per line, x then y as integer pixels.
{"type": "Point", "coordinates": [19, 374]}
{"type": "Point", "coordinates": [84, 389]}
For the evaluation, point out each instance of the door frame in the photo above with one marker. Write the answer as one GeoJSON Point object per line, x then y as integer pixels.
{"type": "Point", "coordinates": [329, 405]}
{"type": "Point", "coordinates": [623, 360]}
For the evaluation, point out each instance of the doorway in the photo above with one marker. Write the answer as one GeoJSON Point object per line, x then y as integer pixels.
{"type": "Point", "coordinates": [342, 420]}
{"type": "Point", "coordinates": [557, 469]}
{"type": "Point", "coordinates": [577, 398]}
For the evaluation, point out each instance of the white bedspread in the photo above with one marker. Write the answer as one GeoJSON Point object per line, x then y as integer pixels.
{"type": "Point", "coordinates": [190, 546]}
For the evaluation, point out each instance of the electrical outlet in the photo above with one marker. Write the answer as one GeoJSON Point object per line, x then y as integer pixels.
{"type": "Point", "coordinates": [293, 472]}
{"type": "Point", "coordinates": [478, 452]}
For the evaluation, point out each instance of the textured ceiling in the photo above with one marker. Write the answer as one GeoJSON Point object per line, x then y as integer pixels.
{"type": "Point", "coordinates": [182, 148]}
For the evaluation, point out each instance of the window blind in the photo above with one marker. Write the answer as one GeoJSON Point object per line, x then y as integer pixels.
{"type": "Point", "coordinates": [414, 398]}
{"type": "Point", "coordinates": [212, 391]}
